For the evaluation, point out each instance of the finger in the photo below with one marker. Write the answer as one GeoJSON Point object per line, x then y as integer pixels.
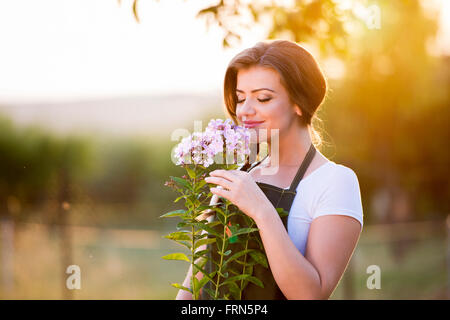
{"type": "Point", "coordinates": [221, 193]}
{"type": "Point", "coordinates": [227, 174]}
{"type": "Point", "coordinates": [219, 181]}
{"type": "Point", "coordinates": [239, 173]}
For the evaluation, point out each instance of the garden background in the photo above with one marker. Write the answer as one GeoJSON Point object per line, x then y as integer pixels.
{"type": "Point", "coordinates": [91, 93]}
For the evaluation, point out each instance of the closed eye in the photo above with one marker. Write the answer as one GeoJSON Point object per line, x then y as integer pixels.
{"type": "Point", "coordinates": [260, 100]}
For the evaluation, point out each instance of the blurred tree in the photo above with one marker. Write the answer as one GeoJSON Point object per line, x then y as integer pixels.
{"type": "Point", "coordinates": [32, 163]}
{"type": "Point", "coordinates": [319, 22]}
{"type": "Point", "coordinates": [389, 114]}
{"type": "Point", "coordinates": [37, 169]}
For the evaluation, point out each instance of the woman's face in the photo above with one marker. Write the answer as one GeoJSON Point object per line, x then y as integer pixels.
{"type": "Point", "coordinates": [263, 102]}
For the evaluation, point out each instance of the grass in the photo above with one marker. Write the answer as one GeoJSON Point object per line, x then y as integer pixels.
{"type": "Point", "coordinates": [127, 264]}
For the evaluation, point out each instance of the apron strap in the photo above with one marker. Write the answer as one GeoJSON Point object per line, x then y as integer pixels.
{"type": "Point", "coordinates": [301, 171]}
{"type": "Point", "coordinates": [250, 167]}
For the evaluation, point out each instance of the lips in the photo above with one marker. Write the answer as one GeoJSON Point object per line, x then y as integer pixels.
{"type": "Point", "coordinates": [252, 124]}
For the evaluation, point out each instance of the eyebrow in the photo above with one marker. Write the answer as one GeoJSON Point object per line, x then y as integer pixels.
{"type": "Point", "coordinates": [255, 90]}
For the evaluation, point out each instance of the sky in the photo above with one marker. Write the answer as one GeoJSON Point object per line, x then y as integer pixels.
{"type": "Point", "coordinates": [53, 50]}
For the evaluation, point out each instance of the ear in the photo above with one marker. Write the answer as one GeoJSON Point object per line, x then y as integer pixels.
{"type": "Point", "coordinates": [297, 109]}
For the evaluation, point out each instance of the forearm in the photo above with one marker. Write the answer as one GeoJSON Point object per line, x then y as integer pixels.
{"type": "Point", "coordinates": [294, 274]}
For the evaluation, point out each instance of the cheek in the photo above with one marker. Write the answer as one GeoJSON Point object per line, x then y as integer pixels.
{"type": "Point", "coordinates": [275, 115]}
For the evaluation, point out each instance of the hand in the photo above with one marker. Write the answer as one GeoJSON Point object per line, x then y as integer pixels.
{"type": "Point", "coordinates": [241, 189]}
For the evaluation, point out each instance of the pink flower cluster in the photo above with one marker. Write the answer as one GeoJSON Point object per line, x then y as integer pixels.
{"type": "Point", "coordinates": [219, 137]}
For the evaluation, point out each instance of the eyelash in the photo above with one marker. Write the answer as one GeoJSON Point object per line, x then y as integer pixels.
{"type": "Point", "coordinates": [260, 100]}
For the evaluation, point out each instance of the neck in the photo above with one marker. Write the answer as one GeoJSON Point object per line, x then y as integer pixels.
{"type": "Point", "coordinates": [293, 146]}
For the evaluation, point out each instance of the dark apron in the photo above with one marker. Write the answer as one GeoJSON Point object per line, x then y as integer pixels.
{"type": "Point", "coordinates": [280, 198]}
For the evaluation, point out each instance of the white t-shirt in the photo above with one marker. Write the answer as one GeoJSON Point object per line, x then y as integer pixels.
{"type": "Point", "coordinates": [331, 189]}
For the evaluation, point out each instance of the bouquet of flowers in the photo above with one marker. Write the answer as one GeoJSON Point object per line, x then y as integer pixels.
{"type": "Point", "coordinates": [223, 145]}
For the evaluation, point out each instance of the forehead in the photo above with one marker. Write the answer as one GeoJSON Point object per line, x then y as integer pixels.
{"type": "Point", "coordinates": [258, 77]}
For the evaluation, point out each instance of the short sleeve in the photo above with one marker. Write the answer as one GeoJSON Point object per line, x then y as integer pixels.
{"type": "Point", "coordinates": [341, 196]}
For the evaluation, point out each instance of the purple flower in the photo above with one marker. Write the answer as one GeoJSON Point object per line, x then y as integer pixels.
{"type": "Point", "coordinates": [202, 147]}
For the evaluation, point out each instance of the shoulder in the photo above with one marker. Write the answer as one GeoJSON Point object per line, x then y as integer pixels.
{"type": "Point", "coordinates": [340, 193]}
{"type": "Point", "coordinates": [344, 174]}
{"type": "Point", "coordinates": [335, 180]}
{"type": "Point", "coordinates": [332, 173]}
{"type": "Point", "coordinates": [327, 175]}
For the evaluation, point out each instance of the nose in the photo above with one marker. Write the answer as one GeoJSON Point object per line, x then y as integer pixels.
{"type": "Point", "coordinates": [245, 109]}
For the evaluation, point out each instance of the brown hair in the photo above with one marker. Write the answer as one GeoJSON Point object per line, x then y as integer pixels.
{"type": "Point", "coordinates": [299, 72]}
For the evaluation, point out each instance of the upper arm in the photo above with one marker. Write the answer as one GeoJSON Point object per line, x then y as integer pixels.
{"type": "Point", "coordinates": [331, 242]}
{"type": "Point", "coordinates": [337, 221]}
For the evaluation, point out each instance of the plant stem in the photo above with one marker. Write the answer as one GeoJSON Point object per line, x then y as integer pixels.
{"type": "Point", "coordinates": [194, 293]}
{"type": "Point", "coordinates": [245, 261]}
{"type": "Point", "coordinates": [221, 254]}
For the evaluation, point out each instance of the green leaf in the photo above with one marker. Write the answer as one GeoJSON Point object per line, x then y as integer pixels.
{"type": "Point", "coordinates": [200, 185]}
{"type": "Point", "coordinates": [235, 278]}
{"type": "Point", "coordinates": [249, 271]}
{"type": "Point", "coordinates": [176, 256]}
{"type": "Point", "coordinates": [179, 286]}
{"type": "Point", "coordinates": [200, 253]}
{"type": "Point", "coordinates": [237, 255]}
{"type": "Point", "coordinates": [204, 241]}
{"type": "Point", "coordinates": [198, 268]}
{"type": "Point", "coordinates": [209, 292]}
{"type": "Point", "coordinates": [202, 262]}
{"type": "Point", "coordinates": [200, 210]}
{"type": "Point", "coordinates": [202, 282]}
{"type": "Point", "coordinates": [248, 221]}
{"type": "Point", "coordinates": [217, 209]}
{"type": "Point", "coordinates": [207, 228]}
{"type": "Point", "coordinates": [232, 214]}
{"type": "Point", "coordinates": [199, 236]}
{"type": "Point", "coordinates": [244, 277]}
{"type": "Point", "coordinates": [245, 231]}
{"type": "Point", "coordinates": [190, 172]}
{"type": "Point", "coordinates": [247, 263]}
{"type": "Point", "coordinates": [181, 225]}
{"type": "Point", "coordinates": [178, 235]}
{"type": "Point", "coordinates": [221, 218]}
{"type": "Point", "coordinates": [260, 258]}
{"type": "Point", "coordinates": [175, 213]}
{"type": "Point", "coordinates": [180, 197]}
{"type": "Point", "coordinates": [214, 223]}
{"type": "Point", "coordinates": [182, 182]}
{"type": "Point", "coordinates": [234, 290]}
{"type": "Point", "coordinates": [187, 244]}
{"type": "Point", "coordinates": [226, 253]}
{"type": "Point", "coordinates": [255, 281]}
{"type": "Point", "coordinates": [219, 243]}
{"type": "Point", "coordinates": [282, 212]}
{"type": "Point", "coordinates": [195, 287]}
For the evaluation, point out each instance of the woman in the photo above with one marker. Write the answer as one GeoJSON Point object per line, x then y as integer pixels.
{"type": "Point", "coordinates": [279, 85]}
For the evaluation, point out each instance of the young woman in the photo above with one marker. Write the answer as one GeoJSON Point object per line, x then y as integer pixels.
{"type": "Point", "coordinates": [278, 85]}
